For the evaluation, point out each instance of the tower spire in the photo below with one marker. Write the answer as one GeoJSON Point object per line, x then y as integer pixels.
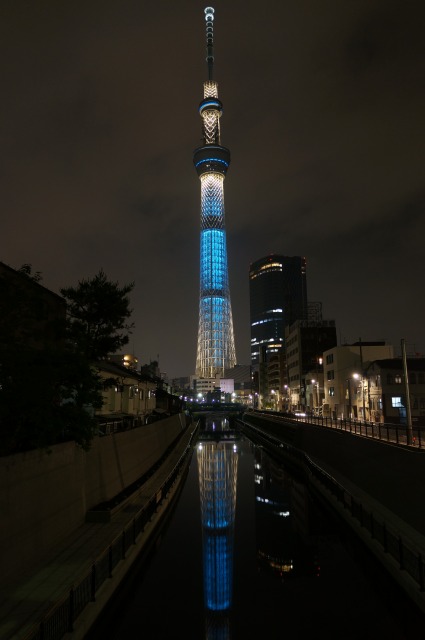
{"type": "Point", "coordinates": [209, 19]}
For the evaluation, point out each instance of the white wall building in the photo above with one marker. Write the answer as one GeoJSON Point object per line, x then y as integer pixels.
{"type": "Point", "coordinates": [344, 383]}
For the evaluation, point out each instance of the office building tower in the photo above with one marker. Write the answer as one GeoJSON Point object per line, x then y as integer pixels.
{"type": "Point", "coordinates": [278, 297]}
{"type": "Point", "coordinates": [216, 347]}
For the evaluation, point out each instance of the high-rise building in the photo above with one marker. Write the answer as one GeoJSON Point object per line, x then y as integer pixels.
{"type": "Point", "coordinates": [305, 341]}
{"type": "Point", "coordinates": [278, 297]}
{"type": "Point", "coordinates": [216, 347]}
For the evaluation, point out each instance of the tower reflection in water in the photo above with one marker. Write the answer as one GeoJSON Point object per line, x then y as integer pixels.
{"type": "Point", "coordinates": [217, 457]}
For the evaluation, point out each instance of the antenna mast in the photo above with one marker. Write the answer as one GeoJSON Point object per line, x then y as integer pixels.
{"type": "Point", "coordinates": [209, 19]}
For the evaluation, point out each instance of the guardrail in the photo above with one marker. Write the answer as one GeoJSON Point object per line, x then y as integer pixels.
{"type": "Point", "coordinates": [409, 556]}
{"type": "Point", "coordinates": [59, 620]}
{"type": "Point", "coordinates": [395, 433]}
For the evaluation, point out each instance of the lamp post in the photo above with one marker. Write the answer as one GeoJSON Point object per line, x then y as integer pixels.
{"type": "Point", "coordinates": [286, 389]}
{"type": "Point", "coordinates": [364, 397]}
{"type": "Point", "coordinates": [359, 377]}
{"type": "Point", "coordinates": [407, 393]}
{"type": "Point", "coordinates": [273, 399]}
{"type": "Point", "coordinates": [348, 381]}
{"type": "Point", "coordinates": [316, 394]}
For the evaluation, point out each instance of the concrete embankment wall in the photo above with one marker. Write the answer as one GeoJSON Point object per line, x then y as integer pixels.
{"type": "Point", "coordinates": [44, 496]}
{"type": "Point", "coordinates": [392, 475]}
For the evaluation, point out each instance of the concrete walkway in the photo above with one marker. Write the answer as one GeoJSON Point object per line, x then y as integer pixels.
{"type": "Point", "coordinates": [31, 595]}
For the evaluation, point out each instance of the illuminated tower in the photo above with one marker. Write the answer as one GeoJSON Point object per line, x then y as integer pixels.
{"type": "Point", "coordinates": [216, 346]}
{"type": "Point", "coordinates": [218, 470]}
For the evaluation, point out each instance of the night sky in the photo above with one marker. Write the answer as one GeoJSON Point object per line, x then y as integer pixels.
{"type": "Point", "coordinates": [324, 115]}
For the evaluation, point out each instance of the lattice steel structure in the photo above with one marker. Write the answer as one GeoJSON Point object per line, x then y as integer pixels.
{"type": "Point", "coordinates": [217, 472]}
{"type": "Point", "coordinates": [216, 345]}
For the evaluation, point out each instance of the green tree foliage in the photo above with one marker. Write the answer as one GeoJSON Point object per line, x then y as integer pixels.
{"type": "Point", "coordinates": [26, 269]}
{"type": "Point", "coordinates": [44, 399]}
{"type": "Point", "coordinates": [49, 391]}
{"type": "Point", "coordinates": [98, 310]}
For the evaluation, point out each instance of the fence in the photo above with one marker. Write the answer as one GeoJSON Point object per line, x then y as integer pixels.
{"type": "Point", "coordinates": [395, 433]}
{"type": "Point", "coordinates": [60, 619]}
{"type": "Point", "coordinates": [407, 554]}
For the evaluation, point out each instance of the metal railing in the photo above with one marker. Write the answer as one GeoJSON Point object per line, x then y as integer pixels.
{"type": "Point", "coordinates": [409, 555]}
{"type": "Point", "coordinates": [394, 433]}
{"type": "Point", "coordinates": [59, 620]}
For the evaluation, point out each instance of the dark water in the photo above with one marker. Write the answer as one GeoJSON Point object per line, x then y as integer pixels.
{"type": "Point", "coordinates": [248, 554]}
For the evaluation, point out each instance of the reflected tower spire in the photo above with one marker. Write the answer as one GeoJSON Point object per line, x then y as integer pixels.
{"type": "Point", "coordinates": [216, 346]}
{"type": "Point", "coordinates": [217, 469]}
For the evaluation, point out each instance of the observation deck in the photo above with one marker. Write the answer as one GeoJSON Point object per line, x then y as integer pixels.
{"type": "Point", "coordinates": [211, 158]}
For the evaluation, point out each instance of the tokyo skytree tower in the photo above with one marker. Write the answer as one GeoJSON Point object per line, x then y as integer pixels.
{"type": "Point", "coordinates": [216, 346]}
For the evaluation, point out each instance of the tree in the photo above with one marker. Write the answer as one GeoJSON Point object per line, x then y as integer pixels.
{"type": "Point", "coordinates": [44, 396]}
{"type": "Point", "coordinates": [48, 391]}
{"type": "Point", "coordinates": [26, 269]}
{"type": "Point", "coordinates": [97, 313]}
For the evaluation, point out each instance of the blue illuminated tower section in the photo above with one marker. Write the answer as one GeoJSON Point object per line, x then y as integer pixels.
{"type": "Point", "coordinates": [218, 470]}
{"type": "Point", "coordinates": [216, 346]}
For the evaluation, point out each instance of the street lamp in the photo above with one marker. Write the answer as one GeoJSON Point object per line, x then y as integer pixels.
{"type": "Point", "coordinates": [316, 394]}
{"type": "Point", "coordinates": [272, 391]}
{"type": "Point", "coordinates": [348, 397]}
{"type": "Point", "coordinates": [286, 389]}
{"type": "Point", "coordinates": [358, 376]}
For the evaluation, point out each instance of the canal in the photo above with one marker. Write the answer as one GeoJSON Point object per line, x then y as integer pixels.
{"type": "Point", "coordinates": [248, 553]}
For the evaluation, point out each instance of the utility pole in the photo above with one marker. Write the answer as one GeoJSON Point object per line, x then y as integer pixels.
{"type": "Point", "coordinates": [363, 377]}
{"type": "Point", "coordinates": [407, 394]}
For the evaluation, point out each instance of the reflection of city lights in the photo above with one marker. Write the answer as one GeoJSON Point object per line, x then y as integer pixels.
{"type": "Point", "coordinates": [272, 503]}
{"type": "Point", "coordinates": [282, 566]}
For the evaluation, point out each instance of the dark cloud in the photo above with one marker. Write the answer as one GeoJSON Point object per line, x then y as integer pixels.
{"type": "Point", "coordinates": [323, 114]}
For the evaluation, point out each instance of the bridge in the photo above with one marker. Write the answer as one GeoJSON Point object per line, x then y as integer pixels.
{"type": "Point", "coordinates": [201, 409]}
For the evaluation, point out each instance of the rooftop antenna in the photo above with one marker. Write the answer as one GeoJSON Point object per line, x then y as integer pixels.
{"type": "Point", "coordinates": [209, 19]}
